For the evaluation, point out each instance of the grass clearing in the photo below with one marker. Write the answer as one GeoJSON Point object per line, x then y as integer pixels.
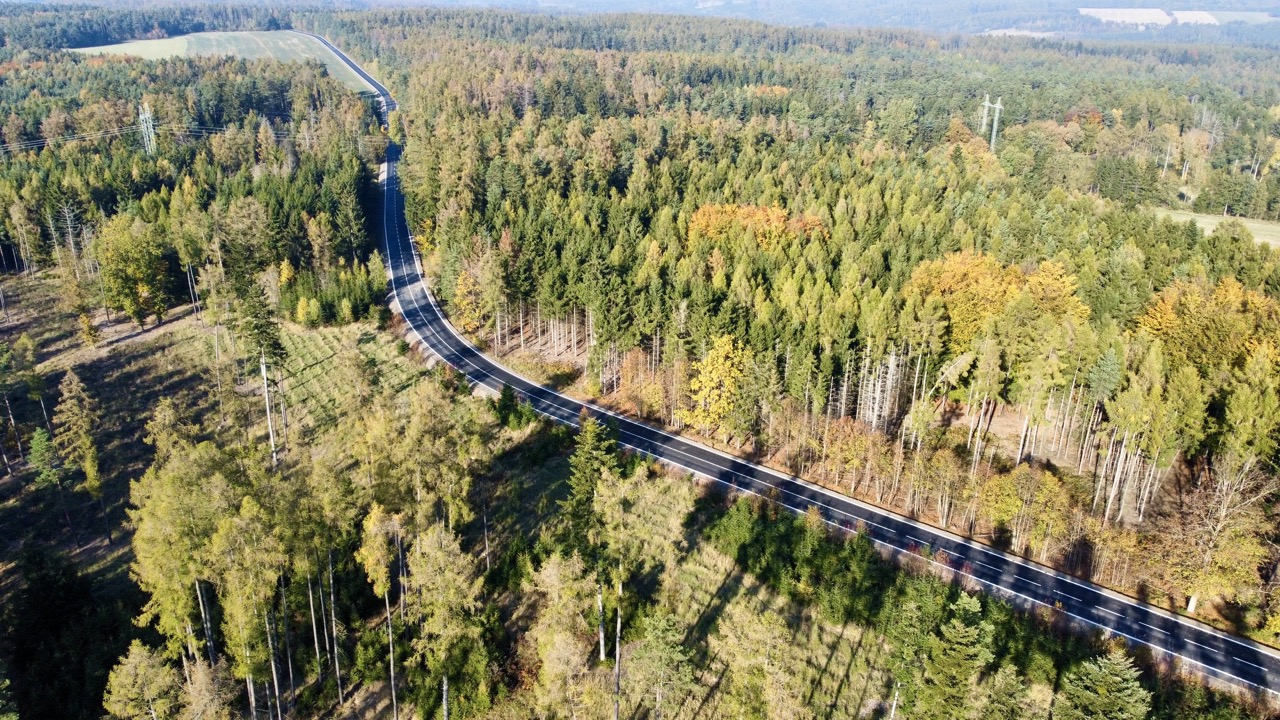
{"type": "Point", "coordinates": [284, 45]}
{"type": "Point", "coordinates": [1263, 230]}
{"type": "Point", "coordinates": [127, 373]}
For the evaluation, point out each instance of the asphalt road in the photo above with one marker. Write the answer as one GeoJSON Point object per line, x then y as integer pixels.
{"type": "Point", "coordinates": [1195, 646]}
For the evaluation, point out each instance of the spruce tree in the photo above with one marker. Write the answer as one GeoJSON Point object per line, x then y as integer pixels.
{"type": "Point", "coordinates": [593, 454]}
{"type": "Point", "coordinates": [952, 662]}
{"type": "Point", "coordinates": [142, 686]}
{"type": "Point", "coordinates": [1105, 688]}
{"type": "Point", "coordinates": [74, 422]}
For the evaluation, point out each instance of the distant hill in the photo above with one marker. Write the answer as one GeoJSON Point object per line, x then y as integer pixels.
{"type": "Point", "coordinates": [1231, 22]}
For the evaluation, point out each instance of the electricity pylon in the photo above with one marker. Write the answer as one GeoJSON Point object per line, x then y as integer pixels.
{"type": "Point", "coordinates": [995, 122]}
{"type": "Point", "coordinates": [148, 128]}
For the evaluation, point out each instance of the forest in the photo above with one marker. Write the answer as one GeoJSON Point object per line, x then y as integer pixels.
{"type": "Point", "coordinates": [810, 259]}
{"type": "Point", "coordinates": [801, 245]}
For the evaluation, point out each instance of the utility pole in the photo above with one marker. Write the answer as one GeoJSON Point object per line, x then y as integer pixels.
{"type": "Point", "coordinates": [148, 127]}
{"type": "Point", "coordinates": [986, 110]}
{"type": "Point", "coordinates": [893, 709]}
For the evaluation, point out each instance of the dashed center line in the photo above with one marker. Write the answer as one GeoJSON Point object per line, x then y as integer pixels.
{"type": "Point", "coordinates": [1246, 662]}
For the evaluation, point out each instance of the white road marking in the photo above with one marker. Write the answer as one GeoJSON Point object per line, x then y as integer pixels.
{"type": "Point", "coordinates": [1246, 662]}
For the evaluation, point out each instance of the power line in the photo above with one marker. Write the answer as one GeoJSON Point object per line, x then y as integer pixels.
{"type": "Point", "coordinates": [33, 144]}
{"type": "Point", "coordinates": [148, 129]}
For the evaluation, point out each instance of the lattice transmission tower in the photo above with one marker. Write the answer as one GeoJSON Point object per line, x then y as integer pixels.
{"type": "Point", "coordinates": [148, 127]}
{"type": "Point", "coordinates": [995, 122]}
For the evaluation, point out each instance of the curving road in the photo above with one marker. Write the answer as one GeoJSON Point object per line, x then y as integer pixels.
{"type": "Point", "coordinates": [1197, 647]}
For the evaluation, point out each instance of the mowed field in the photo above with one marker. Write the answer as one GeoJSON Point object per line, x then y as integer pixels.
{"type": "Point", "coordinates": [279, 44]}
{"type": "Point", "coordinates": [1263, 230]}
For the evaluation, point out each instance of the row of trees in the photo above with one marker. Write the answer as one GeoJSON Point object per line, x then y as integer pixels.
{"type": "Point", "coordinates": [25, 26]}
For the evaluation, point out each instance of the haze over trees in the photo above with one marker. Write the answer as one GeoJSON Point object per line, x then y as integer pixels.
{"type": "Point", "coordinates": [795, 243]}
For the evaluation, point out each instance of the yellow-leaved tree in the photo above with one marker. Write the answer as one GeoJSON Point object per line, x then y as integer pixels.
{"type": "Point", "coordinates": [468, 313]}
{"type": "Point", "coordinates": [974, 288]}
{"type": "Point", "coordinates": [715, 385]}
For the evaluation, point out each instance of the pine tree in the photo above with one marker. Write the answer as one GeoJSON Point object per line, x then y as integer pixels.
{"type": "Point", "coordinates": [375, 556]}
{"type": "Point", "coordinates": [658, 674]}
{"type": "Point", "coordinates": [8, 711]}
{"type": "Point", "coordinates": [444, 592]}
{"type": "Point", "coordinates": [1005, 695]}
{"type": "Point", "coordinates": [952, 662]}
{"type": "Point", "coordinates": [208, 693]}
{"type": "Point", "coordinates": [559, 634]}
{"type": "Point", "coordinates": [44, 460]}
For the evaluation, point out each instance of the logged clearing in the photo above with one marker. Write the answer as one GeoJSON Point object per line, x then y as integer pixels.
{"type": "Point", "coordinates": [284, 45]}
{"type": "Point", "coordinates": [1263, 230]}
{"type": "Point", "coordinates": [325, 366]}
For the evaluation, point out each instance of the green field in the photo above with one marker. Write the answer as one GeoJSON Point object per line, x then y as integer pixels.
{"type": "Point", "coordinates": [280, 44]}
{"type": "Point", "coordinates": [1263, 231]}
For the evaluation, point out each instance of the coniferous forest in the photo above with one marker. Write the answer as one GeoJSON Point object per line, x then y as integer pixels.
{"type": "Point", "coordinates": [233, 487]}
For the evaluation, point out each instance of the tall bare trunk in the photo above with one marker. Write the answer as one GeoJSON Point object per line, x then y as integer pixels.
{"type": "Point", "coordinates": [337, 667]}
{"type": "Point", "coordinates": [600, 617]}
{"type": "Point", "coordinates": [275, 678]}
{"type": "Point", "coordinates": [266, 397]}
{"type": "Point", "coordinates": [315, 633]}
{"type": "Point", "coordinates": [208, 627]}
{"type": "Point", "coordinates": [391, 656]}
